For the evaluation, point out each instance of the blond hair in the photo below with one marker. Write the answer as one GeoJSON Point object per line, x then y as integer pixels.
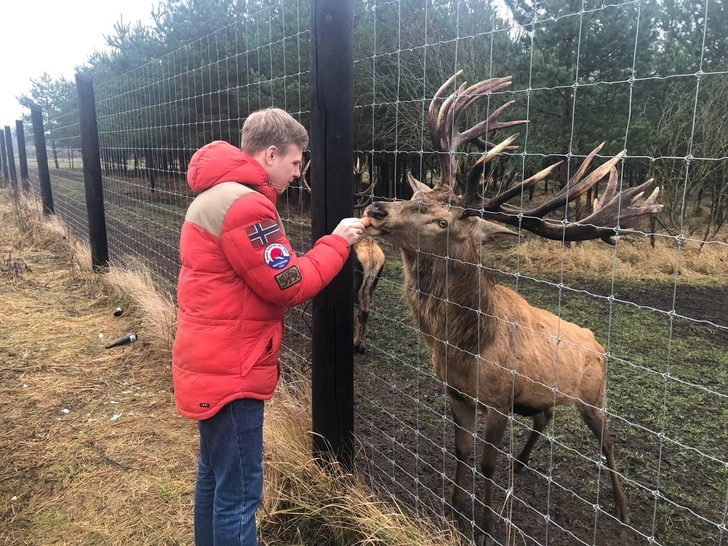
{"type": "Point", "coordinates": [271, 127]}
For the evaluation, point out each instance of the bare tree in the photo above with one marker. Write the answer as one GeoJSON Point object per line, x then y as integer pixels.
{"type": "Point", "coordinates": [493, 350]}
{"type": "Point", "coordinates": [688, 161]}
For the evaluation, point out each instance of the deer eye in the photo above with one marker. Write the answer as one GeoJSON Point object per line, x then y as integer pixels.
{"type": "Point", "coordinates": [443, 223]}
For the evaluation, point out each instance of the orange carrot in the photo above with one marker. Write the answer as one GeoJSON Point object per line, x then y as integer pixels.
{"type": "Point", "coordinates": [367, 221]}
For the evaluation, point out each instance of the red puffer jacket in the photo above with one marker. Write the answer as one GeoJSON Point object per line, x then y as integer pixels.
{"type": "Point", "coordinates": [239, 274]}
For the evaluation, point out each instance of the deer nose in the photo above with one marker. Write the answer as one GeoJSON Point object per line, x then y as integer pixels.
{"type": "Point", "coordinates": [377, 210]}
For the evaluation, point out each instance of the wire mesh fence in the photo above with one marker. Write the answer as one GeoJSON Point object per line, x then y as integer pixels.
{"type": "Point", "coordinates": [63, 150]}
{"type": "Point", "coordinates": [152, 119]}
{"type": "Point", "coordinates": [606, 86]}
{"type": "Point", "coordinates": [634, 75]}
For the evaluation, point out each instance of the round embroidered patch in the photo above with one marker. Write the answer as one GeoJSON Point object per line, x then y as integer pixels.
{"type": "Point", "coordinates": [277, 256]}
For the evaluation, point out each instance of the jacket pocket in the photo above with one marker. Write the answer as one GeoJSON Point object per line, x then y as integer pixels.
{"type": "Point", "coordinates": [264, 352]}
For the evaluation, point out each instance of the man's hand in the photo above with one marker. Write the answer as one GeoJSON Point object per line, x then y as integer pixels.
{"type": "Point", "coordinates": [351, 229]}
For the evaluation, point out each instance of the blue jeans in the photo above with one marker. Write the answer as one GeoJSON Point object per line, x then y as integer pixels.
{"type": "Point", "coordinates": [230, 475]}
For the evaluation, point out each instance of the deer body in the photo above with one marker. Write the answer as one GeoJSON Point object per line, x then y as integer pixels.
{"type": "Point", "coordinates": [511, 335]}
{"type": "Point", "coordinates": [368, 256]}
{"type": "Point", "coordinates": [368, 266]}
{"type": "Point", "coordinates": [368, 260]}
{"type": "Point", "coordinates": [494, 351]}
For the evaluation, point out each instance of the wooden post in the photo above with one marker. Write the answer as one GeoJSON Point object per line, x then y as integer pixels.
{"type": "Point", "coordinates": [3, 155]}
{"type": "Point", "coordinates": [149, 164]}
{"type": "Point", "coordinates": [22, 154]}
{"type": "Point", "coordinates": [10, 156]}
{"type": "Point", "coordinates": [332, 149]}
{"type": "Point", "coordinates": [92, 172]}
{"type": "Point", "coordinates": [41, 155]}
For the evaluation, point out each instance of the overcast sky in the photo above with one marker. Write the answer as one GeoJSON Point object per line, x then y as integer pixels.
{"type": "Point", "coordinates": [54, 36]}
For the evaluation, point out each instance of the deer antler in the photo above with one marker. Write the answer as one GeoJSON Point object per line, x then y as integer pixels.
{"type": "Point", "coordinates": [304, 184]}
{"type": "Point", "coordinates": [445, 115]}
{"type": "Point", "coordinates": [614, 209]}
{"type": "Point", "coordinates": [360, 167]}
{"type": "Point", "coordinates": [366, 196]}
{"type": "Point", "coordinates": [363, 198]}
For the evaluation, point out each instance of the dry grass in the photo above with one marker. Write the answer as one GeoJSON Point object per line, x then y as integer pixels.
{"type": "Point", "coordinates": [633, 259]}
{"type": "Point", "coordinates": [338, 509]}
{"type": "Point", "coordinates": [156, 306]}
{"type": "Point", "coordinates": [91, 446]}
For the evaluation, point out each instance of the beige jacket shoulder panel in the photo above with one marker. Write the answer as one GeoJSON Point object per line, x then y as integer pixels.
{"type": "Point", "coordinates": [208, 209]}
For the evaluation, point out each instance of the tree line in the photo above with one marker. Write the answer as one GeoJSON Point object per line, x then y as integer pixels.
{"type": "Point", "coordinates": [647, 75]}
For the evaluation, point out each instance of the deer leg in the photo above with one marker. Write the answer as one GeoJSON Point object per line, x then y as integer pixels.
{"type": "Point", "coordinates": [367, 283]}
{"type": "Point", "coordinates": [463, 413]}
{"type": "Point", "coordinates": [365, 301]}
{"type": "Point", "coordinates": [362, 309]}
{"type": "Point", "coordinates": [597, 422]}
{"type": "Point", "coordinates": [495, 428]}
{"type": "Point", "coordinates": [360, 344]}
{"type": "Point", "coordinates": [540, 422]}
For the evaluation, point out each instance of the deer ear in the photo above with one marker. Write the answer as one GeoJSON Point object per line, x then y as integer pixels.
{"type": "Point", "coordinates": [416, 185]}
{"type": "Point", "coordinates": [493, 233]}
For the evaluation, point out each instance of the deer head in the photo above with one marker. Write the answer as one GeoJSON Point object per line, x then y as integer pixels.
{"type": "Point", "coordinates": [430, 222]}
{"type": "Point", "coordinates": [440, 221]}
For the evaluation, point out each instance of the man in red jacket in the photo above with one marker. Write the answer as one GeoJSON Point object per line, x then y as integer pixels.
{"type": "Point", "coordinates": [238, 276]}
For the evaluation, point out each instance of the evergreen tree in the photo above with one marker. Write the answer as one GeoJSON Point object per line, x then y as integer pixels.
{"type": "Point", "coordinates": [57, 101]}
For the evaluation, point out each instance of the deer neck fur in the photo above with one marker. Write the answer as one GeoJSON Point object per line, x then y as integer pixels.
{"type": "Point", "coordinates": [444, 295]}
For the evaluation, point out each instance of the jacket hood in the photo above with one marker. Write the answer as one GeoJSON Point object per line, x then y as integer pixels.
{"type": "Point", "coordinates": [220, 161]}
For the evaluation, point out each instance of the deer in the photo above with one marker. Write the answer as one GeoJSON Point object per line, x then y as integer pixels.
{"type": "Point", "coordinates": [368, 256]}
{"type": "Point", "coordinates": [494, 352]}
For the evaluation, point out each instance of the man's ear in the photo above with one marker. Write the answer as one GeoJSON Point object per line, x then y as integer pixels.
{"type": "Point", "coordinates": [492, 232]}
{"type": "Point", "coordinates": [270, 154]}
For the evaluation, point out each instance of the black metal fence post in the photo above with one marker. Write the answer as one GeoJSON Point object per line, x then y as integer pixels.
{"type": "Point", "coordinates": [11, 156]}
{"type": "Point", "coordinates": [3, 155]}
{"type": "Point", "coordinates": [22, 154]}
{"type": "Point", "coordinates": [332, 148]}
{"type": "Point", "coordinates": [41, 155]}
{"type": "Point", "coordinates": [92, 172]}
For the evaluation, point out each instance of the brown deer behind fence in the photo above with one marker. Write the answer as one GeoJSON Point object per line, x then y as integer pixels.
{"type": "Point", "coordinates": [493, 350]}
{"type": "Point", "coordinates": [368, 255]}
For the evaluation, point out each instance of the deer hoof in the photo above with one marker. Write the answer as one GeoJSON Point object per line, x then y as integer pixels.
{"type": "Point", "coordinates": [519, 465]}
{"type": "Point", "coordinates": [483, 539]}
{"type": "Point", "coordinates": [360, 347]}
{"type": "Point", "coordinates": [462, 523]}
{"type": "Point", "coordinates": [623, 515]}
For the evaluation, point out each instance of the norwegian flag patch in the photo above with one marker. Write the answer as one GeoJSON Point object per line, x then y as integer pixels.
{"type": "Point", "coordinates": [263, 233]}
